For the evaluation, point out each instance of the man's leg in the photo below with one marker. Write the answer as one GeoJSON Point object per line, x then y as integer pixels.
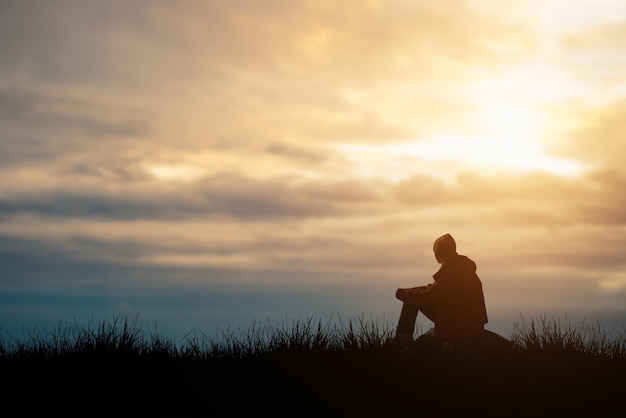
{"type": "Point", "coordinates": [406, 323]}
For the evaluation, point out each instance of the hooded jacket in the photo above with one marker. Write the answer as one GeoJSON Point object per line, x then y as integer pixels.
{"type": "Point", "coordinates": [454, 301]}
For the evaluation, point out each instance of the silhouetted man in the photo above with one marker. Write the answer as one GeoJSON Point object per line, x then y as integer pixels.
{"type": "Point", "coordinates": [454, 301]}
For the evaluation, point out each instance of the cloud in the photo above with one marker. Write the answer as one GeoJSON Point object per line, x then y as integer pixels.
{"type": "Point", "coordinates": [224, 196]}
{"type": "Point", "coordinates": [55, 111]}
{"type": "Point", "coordinates": [538, 199]}
{"type": "Point", "coordinates": [325, 228]}
{"type": "Point", "coordinates": [54, 129]}
{"type": "Point", "coordinates": [605, 36]}
{"type": "Point", "coordinates": [597, 140]}
{"type": "Point", "coordinates": [296, 152]}
{"type": "Point", "coordinates": [615, 281]}
{"type": "Point", "coordinates": [598, 51]}
{"type": "Point", "coordinates": [600, 136]}
{"type": "Point", "coordinates": [284, 67]}
{"type": "Point", "coordinates": [111, 45]}
{"type": "Point", "coordinates": [535, 199]}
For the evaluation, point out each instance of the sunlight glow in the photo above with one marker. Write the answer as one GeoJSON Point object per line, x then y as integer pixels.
{"type": "Point", "coordinates": [184, 173]}
{"type": "Point", "coordinates": [508, 139]}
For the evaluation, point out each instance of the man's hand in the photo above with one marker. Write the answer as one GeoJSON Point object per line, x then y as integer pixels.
{"type": "Point", "coordinates": [403, 293]}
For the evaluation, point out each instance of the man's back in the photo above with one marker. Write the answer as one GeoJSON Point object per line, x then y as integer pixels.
{"type": "Point", "coordinates": [457, 299]}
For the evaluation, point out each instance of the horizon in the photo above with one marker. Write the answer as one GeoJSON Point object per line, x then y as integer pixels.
{"type": "Point", "coordinates": [209, 165]}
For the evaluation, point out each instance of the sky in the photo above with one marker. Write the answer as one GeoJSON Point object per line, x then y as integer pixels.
{"type": "Point", "coordinates": [209, 165]}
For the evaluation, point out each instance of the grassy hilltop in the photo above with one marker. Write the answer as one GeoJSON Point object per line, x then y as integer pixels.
{"type": "Point", "coordinates": [308, 368]}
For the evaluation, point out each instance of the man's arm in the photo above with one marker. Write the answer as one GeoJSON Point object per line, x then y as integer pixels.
{"type": "Point", "coordinates": [432, 293]}
{"type": "Point", "coordinates": [410, 294]}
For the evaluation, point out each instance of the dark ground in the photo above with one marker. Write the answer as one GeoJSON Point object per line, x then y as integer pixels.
{"type": "Point", "coordinates": [319, 384]}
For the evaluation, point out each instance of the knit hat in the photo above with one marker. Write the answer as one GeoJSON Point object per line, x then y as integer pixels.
{"type": "Point", "coordinates": [444, 245]}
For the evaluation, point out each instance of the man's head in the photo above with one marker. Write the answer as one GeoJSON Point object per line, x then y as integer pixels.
{"type": "Point", "coordinates": [444, 247]}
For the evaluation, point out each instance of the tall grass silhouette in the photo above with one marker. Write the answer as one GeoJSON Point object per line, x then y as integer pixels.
{"type": "Point", "coordinates": [562, 336]}
{"type": "Point", "coordinates": [325, 368]}
{"type": "Point", "coordinates": [117, 335]}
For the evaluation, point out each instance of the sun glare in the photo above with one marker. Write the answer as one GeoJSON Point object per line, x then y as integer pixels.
{"type": "Point", "coordinates": [508, 138]}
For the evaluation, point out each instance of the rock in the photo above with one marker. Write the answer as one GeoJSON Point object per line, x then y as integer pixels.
{"type": "Point", "coordinates": [487, 342]}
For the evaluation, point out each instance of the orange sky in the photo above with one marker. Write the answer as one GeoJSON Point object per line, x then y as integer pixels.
{"type": "Point", "coordinates": [323, 136]}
